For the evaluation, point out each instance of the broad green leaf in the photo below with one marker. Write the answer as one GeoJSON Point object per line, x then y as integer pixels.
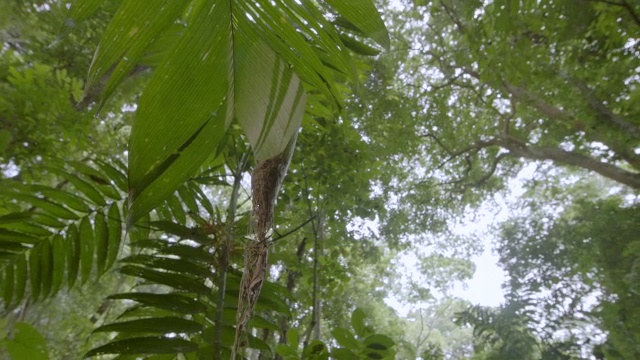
{"type": "Point", "coordinates": [35, 273]}
{"type": "Point", "coordinates": [101, 241]}
{"type": "Point", "coordinates": [316, 350]}
{"type": "Point", "coordinates": [182, 114]}
{"type": "Point", "coordinates": [228, 334]}
{"type": "Point", "coordinates": [293, 338]}
{"type": "Point", "coordinates": [114, 229]}
{"type": "Point", "coordinates": [257, 343]}
{"type": "Point", "coordinates": [189, 199]}
{"type": "Point", "coordinates": [46, 267]}
{"type": "Point", "coordinates": [59, 262]}
{"type": "Point", "coordinates": [180, 303]}
{"type": "Point", "coordinates": [145, 345]}
{"type": "Point", "coordinates": [345, 338]}
{"type": "Point", "coordinates": [324, 34]}
{"type": "Point", "coordinates": [82, 9]}
{"type": "Point", "coordinates": [15, 217]}
{"type": "Point", "coordinates": [114, 174]}
{"type": "Point", "coordinates": [48, 220]}
{"type": "Point", "coordinates": [176, 209]}
{"type": "Point", "coordinates": [21, 272]}
{"type": "Point", "coordinates": [89, 190]}
{"type": "Point", "coordinates": [54, 209]}
{"type": "Point", "coordinates": [127, 38]}
{"type": "Point", "coordinates": [140, 231]}
{"type": "Point", "coordinates": [11, 249]}
{"type": "Point", "coordinates": [184, 266]}
{"type": "Point", "coordinates": [202, 198]}
{"type": "Point", "coordinates": [176, 281]}
{"type": "Point", "coordinates": [14, 236]}
{"type": "Point", "coordinates": [8, 283]}
{"type": "Point", "coordinates": [379, 342]}
{"type": "Point", "coordinates": [27, 343]}
{"type": "Point", "coordinates": [286, 351]}
{"type": "Point", "coordinates": [163, 213]}
{"type": "Point", "coordinates": [87, 249]}
{"type": "Point", "coordinates": [189, 252]}
{"type": "Point", "coordinates": [358, 47]}
{"type": "Point", "coordinates": [73, 248]}
{"type": "Point", "coordinates": [28, 229]}
{"type": "Point", "coordinates": [364, 15]}
{"type": "Point", "coordinates": [218, 62]}
{"type": "Point", "coordinates": [262, 323]}
{"type": "Point", "coordinates": [140, 312]}
{"type": "Point", "coordinates": [343, 354]}
{"type": "Point", "coordinates": [181, 231]}
{"type": "Point", "coordinates": [271, 304]}
{"type": "Point", "coordinates": [161, 325]}
{"type": "Point", "coordinates": [5, 139]}
{"type": "Point", "coordinates": [357, 322]}
{"type": "Point", "coordinates": [95, 175]}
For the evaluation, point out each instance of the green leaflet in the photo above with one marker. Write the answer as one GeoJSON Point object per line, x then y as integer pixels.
{"type": "Point", "coordinates": [44, 256]}
{"type": "Point", "coordinates": [179, 303]}
{"type": "Point", "coordinates": [128, 37]}
{"type": "Point", "coordinates": [101, 241]}
{"type": "Point", "coordinates": [27, 343]}
{"type": "Point", "coordinates": [87, 249]}
{"type": "Point", "coordinates": [114, 230]}
{"type": "Point", "coordinates": [159, 325]}
{"type": "Point", "coordinates": [72, 249]}
{"type": "Point", "coordinates": [182, 114]}
{"type": "Point", "coordinates": [363, 14]}
{"type": "Point", "coordinates": [59, 263]}
{"type": "Point", "coordinates": [145, 345]}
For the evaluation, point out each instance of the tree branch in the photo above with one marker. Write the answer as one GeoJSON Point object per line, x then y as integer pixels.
{"type": "Point", "coordinates": [604, 114]}
{"type": "Point", "coordinates": [623, 4]}
{"type": "Point", "coordinates": [566, 117]}
{"type": "Point", "coordinates": [294, 229]}
{"type": "Point", "coordinates": [607, 170]}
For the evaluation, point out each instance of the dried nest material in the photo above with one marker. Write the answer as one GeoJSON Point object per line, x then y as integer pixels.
{"type": "Point", "coordinates": [255, 271]}
{"type": "Point", "coordinates": [265, 183]}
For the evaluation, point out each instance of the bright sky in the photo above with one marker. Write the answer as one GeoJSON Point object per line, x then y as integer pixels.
{"type": "Point", "coordinates": [485, 288]}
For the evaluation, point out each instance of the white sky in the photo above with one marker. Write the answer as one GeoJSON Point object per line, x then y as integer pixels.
{"type": "Point", "coordinates": [485, 288]}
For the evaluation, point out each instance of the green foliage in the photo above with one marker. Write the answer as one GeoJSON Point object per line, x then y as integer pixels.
{"type": "Point", "coordinates": [500, 334]}
{"type": "Point", "coordinates": [360, 342]}
{"type": "Point", "coordinates": [188, 105]}
{"type": "Point", "coordinates": [41, 112]}
{"type": "Point", "coordinates": [58, 235]}
{"type": "Point", "coordinates": [583, 250]}
{"type": "Point", "coordinates": [25, 342]}
{"type": "Point", "coordinates": [442, 120]}
{"type": "Point", "coordinates": [486, 84]}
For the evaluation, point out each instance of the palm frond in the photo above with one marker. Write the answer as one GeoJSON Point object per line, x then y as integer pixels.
{"type": "Point", "coordinates": [59, 235]}
{"type": "Point", "coordinates": [175, 298]}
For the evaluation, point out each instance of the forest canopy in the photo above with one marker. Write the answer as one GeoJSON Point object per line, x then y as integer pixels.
{"type": "Point", "coordinates": [302, 179]}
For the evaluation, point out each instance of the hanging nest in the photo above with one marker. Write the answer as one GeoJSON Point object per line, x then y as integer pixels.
{"type": "Point", "coordinates": [266, 180]}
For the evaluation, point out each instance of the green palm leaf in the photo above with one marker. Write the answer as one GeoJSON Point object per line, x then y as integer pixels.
{"type": "Point", "coordinates": [226, 59]}
{"type": "Point", "coordinates": [52, 243]}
